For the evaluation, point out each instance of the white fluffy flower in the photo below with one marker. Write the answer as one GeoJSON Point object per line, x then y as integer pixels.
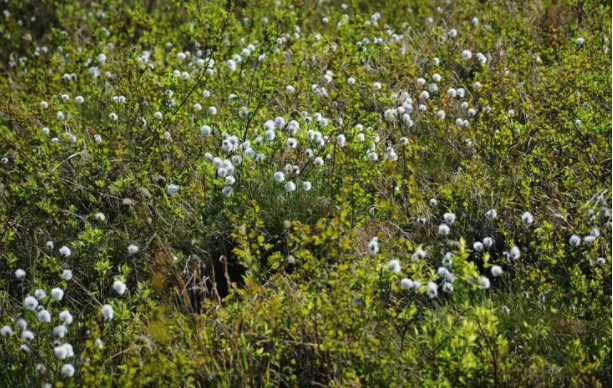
{"type": "Point", "coordinates": [406, 284]}
{"type": "Point", "coordinates": [66, 317]}
{"type": "Point", "coordinates": [340, 140]}
{"type": "Point", "coordinates": [68, 370]}
{"type": "Point", "coordinates": [373, 246]}
{"type": "Point", "coordinates": [527, 218]}
{"type": "Point", "coordinates": [6, 331]}
{"type": "Point", "coordinates": [394, 266]}
{"type": "Point", "coordinates": [432, 290]}
{"type": "Point", "coordinates": [66, 275]}
{"type": "Point", "coordinates": [44, 316]}
{"type": "Point", "coordinates": [132, 249]}
{"type": "Point", "coordinates": [290, 186]}
{"type": "Point", "coordinates": [443, 229]}
{"type": "Point", "coordinates": [514, 253]}
{"type": "Point", "coordinates": [57, 293]}
{"type": "Point", "coordinates": [227, 191]}
{"type": "Point", "coordinates": [59, 331]}
{"type": "Point", "coordinates": [492, 213]}
{"type": "Point", "coordinates": [119, 287]}
{"type": "Point", "coordinates": [27, 336]}
{"type": "Point", "coordinates": [488, 242]}
{"type": "Point", "coordinates": [449, 218]}
{"type": "Point", "coordinates": [205, 130]}
{"type": "Point", "coordinates": [65, 251]}
{"type": "Point", "coordinates": [496, 270]}
{"type": "Point", "coordinates": [279, 176]}
{"type": "Point", "coordinates": [172, 189]}
{"type": "Point", "coordinates": [20, 273]}
{"type": "Point", "coordinates": [574, 240]}
{"type": "Point", "coordinates": [107, 312]}
{"type": "Point", "coordinates": [484, 282]}
{"type": "Point", "coordinates": [30, 303]}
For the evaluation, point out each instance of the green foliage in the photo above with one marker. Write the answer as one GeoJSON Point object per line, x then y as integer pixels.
{"type": "Point", "coordinates": [246, 282]}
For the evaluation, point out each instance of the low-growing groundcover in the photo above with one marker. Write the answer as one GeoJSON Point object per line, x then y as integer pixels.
{"type": "Point", "coordinates": [281, 193]}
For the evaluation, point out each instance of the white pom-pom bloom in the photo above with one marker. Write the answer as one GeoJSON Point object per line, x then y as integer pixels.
{"type": "Point", "coordinates": [574, 240]}
{"type": "Point", "coordinates": [66, 275]}
{"type": "Point", "coordinates": [132, 249]}
{"type": "Point", "coordinates": [492, 213]}
{"type": "Point", "coordinates": [290, 186]}
{"type": "Point", "coordinates": [27, 336]}
{"type": "Point", "coordinates": [30, 303]}
{"type": "Point", "coordinates": [279, 176]}
{"type": "Point", "coordinates": [158, 115]}
{"type": "Point", "coordinates": [20, 273]}
{"type": "Point", "coordinates": [205, 130]}
{"type": "Point", "coordinates": [65, 251]}
{"type": "Point", "coordinates": [514, 253]}
{"type": "Point", "coordinates": [341, 141]}
{"type": "Point", "coordinates": [443, 229]}
{"type": "Point", "coordinates": [394, 266]}
{"type": "Point", "coordinates": [21, 324]}
{"type": "Point", "coordinates": [6, 331]}
{"type": "Point", "coordinates": [79, 100]}
{"type": "Point", "coordinates": [406, 284]}
{"type": "Point", "coordinates": [172, 189]}
{"type": "Point", "coordinates": [227, 191]}
{"type": "Point", "coordinates": [467, 54]}
{"type": "Point", "coordinates": [527, 218]}
{"type": "Point", "coordinates": [59, 331]}
{"type": "Point", "coordinates": [119, 287]}
{"type": "Point", "coordinates": [60, 352]}
{"type": "Point", "coordinates": [449, 218]}
{"type": "Point", "coordinates": [107, 312]}
{"type": "Point", "coordinates": [484, 282]}
{"type": "Point", "coordinates": [432, 290]}
{"type": "Point", "coordinates": [478, 246]}
{"type": "Point", "coordinates": [68, 370]}
{"type": "Point", "coordinates": [306, 186]}
{"type": "Point", "coordinates": [57, 294]}
{"type": "Point", "coordinates": [488, 242]}
{"type": "Point", "coordinates": [65, 317]}
{"type": "Point", "coordinates": [43, 316]}
{"type": "Point", "coordinates": [373, 246]}
{"type": "Point", "coordinates": [496, 270]}
{"type": "Point", "coordinates": [100, 217]}
{"type": "Point", "coordinates": [113, 117]}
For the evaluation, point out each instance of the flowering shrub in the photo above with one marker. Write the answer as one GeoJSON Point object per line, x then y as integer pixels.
{"type": "Point", "coordinates": [286, 193]}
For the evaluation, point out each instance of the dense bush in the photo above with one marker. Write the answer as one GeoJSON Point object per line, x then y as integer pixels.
{"type": "Point", "coordinates": [282, 193]}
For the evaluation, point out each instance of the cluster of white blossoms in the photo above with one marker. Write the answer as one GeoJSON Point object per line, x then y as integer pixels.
{"type": "Point", "coordinates": [46, 308]}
